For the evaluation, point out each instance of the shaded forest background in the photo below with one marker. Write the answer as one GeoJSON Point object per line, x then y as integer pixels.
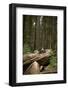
{"type": "Point", "coordinates": [39, 32]}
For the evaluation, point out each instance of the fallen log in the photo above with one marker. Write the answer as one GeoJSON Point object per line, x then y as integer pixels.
{"type": "Point", "coordinates": [34, 68]}
{"type": "Point", "coordinates": [40, 58]}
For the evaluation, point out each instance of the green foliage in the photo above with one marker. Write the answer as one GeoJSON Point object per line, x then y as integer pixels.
{"type": "Point", "coordinates": [53, 62]}
{"type": "Point", "coordinates": [26, 48]}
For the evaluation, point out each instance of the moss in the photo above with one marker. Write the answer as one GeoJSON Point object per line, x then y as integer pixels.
{"type": "Point", "coordinates": [26, 49]}
{"type": "Point", "coordinates": [53, 62]}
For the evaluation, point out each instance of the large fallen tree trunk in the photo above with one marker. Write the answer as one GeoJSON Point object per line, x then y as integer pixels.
{"type": "Point", "coordinates": [40, 58]}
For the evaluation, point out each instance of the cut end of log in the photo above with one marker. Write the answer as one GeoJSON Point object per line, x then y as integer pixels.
{"type": "Point", "coordinates": [33, 68]}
